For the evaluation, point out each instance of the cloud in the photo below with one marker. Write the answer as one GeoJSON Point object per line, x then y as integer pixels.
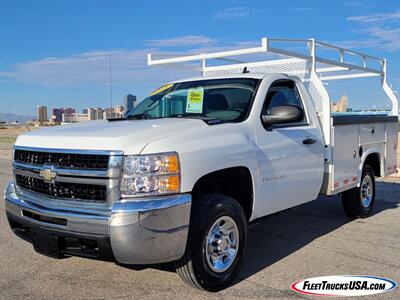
{"type": "Point", "coordinates": [373, 18]}
{"type": "Point", "coordinates": [352, 44]}
{"type": "Point", "coordinates": [389, 37]}
{"type": "Point", "coordinates": [182, 41]}
{"type": "Point", "coordinates": [382, 31]}
{"type": "Point", "coordinates": [363, 4]}
{"type": "Point", "coordinates": [217, 47]}
{"type": "Point", "coordinates": [301, 9]}
{"type": "Point", "coordinates": [128, 66]}
{"type": "Point", "coordinates": [234, 13]}
{"type": "Point", "coordinates": [92, 68]}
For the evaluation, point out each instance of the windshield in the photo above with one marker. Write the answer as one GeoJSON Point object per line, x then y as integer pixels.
{"type": "Point", "coordinates": [227, 100]}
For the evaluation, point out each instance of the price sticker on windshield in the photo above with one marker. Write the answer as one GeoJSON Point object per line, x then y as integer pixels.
{"type": "Point", "coordinates": [194, 103]}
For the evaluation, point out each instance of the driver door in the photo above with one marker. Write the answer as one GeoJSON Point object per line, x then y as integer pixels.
{"type": "Point", "coordinates": [290, 155]}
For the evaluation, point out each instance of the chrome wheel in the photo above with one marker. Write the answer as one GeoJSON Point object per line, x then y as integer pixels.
{"type": "Point", "coordinates": [367, 191]}
{"type": "Point", "coordinates": [222, 244]}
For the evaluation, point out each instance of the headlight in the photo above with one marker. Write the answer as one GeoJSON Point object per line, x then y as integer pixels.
{"type": "Point", "coordinates": [150, 174]}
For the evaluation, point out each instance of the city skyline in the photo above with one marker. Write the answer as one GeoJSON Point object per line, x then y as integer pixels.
{"type": "Point", "coordinates": [61, 115]}
{"type": "Point", "coordinates": [69, 61]}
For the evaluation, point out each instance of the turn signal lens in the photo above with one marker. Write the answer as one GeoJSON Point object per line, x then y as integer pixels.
{"type": "Point", "coordinates": [172, 164]}
{"type": "Point", "coordinates": [170, 184]}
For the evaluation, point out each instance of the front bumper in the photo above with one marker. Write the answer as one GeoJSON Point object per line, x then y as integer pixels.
{"type": "Point", "coordinates": [132, 232]}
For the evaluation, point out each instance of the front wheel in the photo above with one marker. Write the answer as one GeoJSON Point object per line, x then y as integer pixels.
{"type": "Point", "coordinates": [216, 243]}
{"type": "Point", "coordinates": [359, 201]}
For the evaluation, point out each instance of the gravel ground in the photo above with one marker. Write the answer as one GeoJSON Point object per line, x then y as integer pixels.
{"type": "Point", "coordinates": [8, 135]}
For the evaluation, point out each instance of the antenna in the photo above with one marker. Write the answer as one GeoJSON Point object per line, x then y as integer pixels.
{"type": "Point", "coordinates": [111, 92]}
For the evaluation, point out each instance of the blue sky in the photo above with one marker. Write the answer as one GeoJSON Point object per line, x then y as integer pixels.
{"type": "Point", "coordinates": [56, 53]}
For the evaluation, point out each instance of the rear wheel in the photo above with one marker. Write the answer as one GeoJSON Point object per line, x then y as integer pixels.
{"type": "Point", "coordinates": [216, 243]}
{"type": "Point", "coordinates": [359, 202]}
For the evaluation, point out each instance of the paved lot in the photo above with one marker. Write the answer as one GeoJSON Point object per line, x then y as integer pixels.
{"type": "Point", "coordinates": [311, 240]}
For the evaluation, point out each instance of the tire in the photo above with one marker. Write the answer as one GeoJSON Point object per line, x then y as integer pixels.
{"type": "Point", "coordinates": [359, 202]}
{"type": "Point", "coordinates": [195, 267]}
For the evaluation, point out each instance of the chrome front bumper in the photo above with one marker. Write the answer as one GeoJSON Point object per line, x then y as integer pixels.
{"type": "Point", "coordinates": [140, 232]}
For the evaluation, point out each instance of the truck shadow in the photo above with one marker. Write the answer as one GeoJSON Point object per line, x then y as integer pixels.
{"type": "Point", "coordinates": [277, 236]}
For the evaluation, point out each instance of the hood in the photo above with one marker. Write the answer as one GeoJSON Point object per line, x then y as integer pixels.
{"type": "Point", "coordinates": [129, 136]}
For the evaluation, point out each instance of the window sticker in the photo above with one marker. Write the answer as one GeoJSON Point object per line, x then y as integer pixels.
{"type": "Point", "coordinates": [194, 103]}
{"type": "Point", "coordinates": [161, 89]}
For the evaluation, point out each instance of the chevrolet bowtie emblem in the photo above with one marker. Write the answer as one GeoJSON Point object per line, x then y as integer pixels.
{"type": "Point", "coordinates": [47, 174]}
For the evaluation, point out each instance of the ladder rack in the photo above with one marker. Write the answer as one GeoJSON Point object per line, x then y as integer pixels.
{"type": "Point", "coordinates": [312, 44]}
{"type": "Point", "coordinates": [322, 68]}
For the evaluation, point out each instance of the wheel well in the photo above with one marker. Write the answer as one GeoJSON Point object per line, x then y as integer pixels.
{"type": "Point", "coordinates": [235, 182]}
{"type": "Point", "coordinates": [373, 161]}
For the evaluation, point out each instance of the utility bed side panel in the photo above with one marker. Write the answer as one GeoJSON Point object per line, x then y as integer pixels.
{"type": "Point", "coordinates": [392, 130]}
{"type": "Point", "coordinates": [372, 133]}
{"type": "Point", "coordinates": [353, 139]}
{"type": "Point", "coordinates": [345, 156]}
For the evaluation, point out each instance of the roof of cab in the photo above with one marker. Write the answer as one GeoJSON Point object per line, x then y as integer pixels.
{"type": "Point", "coordinates": [245, 75]}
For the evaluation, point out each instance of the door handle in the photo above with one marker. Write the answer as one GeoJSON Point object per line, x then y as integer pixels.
{"type": "Point", "coordinates": [309, 141]}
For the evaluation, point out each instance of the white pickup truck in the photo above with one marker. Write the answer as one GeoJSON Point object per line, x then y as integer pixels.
{"type": "Point", "coordinates": [179, 178]}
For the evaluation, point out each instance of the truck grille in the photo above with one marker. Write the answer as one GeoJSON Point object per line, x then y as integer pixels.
{"type": "Point", "coordinates": [63, 160]}
{"type": "Point", "coordinates": [63, 190]}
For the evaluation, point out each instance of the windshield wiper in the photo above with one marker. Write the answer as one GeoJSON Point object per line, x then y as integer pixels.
{"type": "Point", "coordinates": [146, 116]}
{"type": "Point", "coordinates": [141, 116]}
{"type": "Point", "coordinates": [206, 119]}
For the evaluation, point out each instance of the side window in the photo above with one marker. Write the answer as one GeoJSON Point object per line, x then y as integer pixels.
{"type": "Point", "coordinates": [282, 92]}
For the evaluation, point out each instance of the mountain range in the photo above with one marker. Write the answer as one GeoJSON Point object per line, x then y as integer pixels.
{"type": "Point", "coordinates": [14, 118]}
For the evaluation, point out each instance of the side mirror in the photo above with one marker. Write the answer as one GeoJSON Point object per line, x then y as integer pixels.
{"type": "Point", "coordinates": [283, 114]}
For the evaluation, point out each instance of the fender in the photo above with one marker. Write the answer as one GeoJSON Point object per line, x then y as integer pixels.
{"type": "Point", "coordinates": [212, 149]}
{"type": "Point", "coordinates": [373, 150]}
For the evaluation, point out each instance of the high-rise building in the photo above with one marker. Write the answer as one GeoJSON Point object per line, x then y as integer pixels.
{"type": "Point", "coordinates": [95, 113]}
{"type": "Point", "coordinates": [81, 117]}
{"type": "Point", "coordinates": [344, 101]}
{"type": "Point", "coordinates": [56, 115]}
{"type": "Point", "coordinates": [118, 111]}
{"type": "Point", "coordinates": [113, 112]}
{"type": "Point", "coordinates": [68, 110]}
{"type": "Point", "coordinates": [341, 105]}
{"type": "Point", "coordinates": [129, 102]}
{"type": "Point", "coordinates": [91, 114]}
{"type": "Point", "coordinates": [74, 118]}
{"type": "Point", "coordinates": [109, 113]}
{"type": "Point", "coordinates": [68, 118]}
{"type": "Point", "coordinates": [99, 113]}
{"type": "Point", "coordinates": [68, 115]}
{"type": "Point", "coordinates": [42, 114]}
